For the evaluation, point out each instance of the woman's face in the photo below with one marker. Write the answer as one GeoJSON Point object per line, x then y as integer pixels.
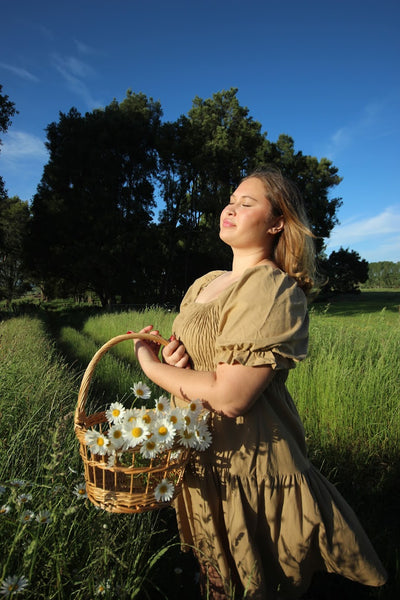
{"type": "Point", "coordinates": [248, 219]}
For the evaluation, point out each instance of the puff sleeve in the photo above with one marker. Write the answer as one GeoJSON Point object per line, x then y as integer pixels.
{"type": "Point", "coordinates": [263, 320]}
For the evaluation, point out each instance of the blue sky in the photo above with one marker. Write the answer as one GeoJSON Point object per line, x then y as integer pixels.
{"type": "Point", "coordinates": [325, 73]}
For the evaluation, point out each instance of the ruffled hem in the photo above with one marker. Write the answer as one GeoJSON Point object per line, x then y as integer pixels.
{"type": "Point", "coordinates": [249, 357]}
{"type": "Point", "coordinates": [280, 531]}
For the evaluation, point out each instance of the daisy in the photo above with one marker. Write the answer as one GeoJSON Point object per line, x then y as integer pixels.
{"type": "Point", "coordinates": [27, 516]}
{"type": "Point", "coordinates": [43, 517]}
{"type": "Point", "coordinates": [24, 498]}
{"type": "Point", "coordinates": [141, 390]}
{"type": "Point", "coordinates": [188, 438]}
{"type": "Point", "coordinates": [176, 417]}
{"type": "Point", "coordinates": [189, 419]}
{"type": "Point", "coordinates": [5, 509]}
{"type": "Point", "coordinates": [132, 413]}
{"type": "Point", "coordinates": [97, 441]}
{"type": "Point", "coordinates": [135, 433]}
{"type": "Point", "coordinates": [149, 417]}
{"type": "Point", "coordinates": [115, 413]}
{"type": "Point", "coordinates": [203, 436]}
{"type": "Point", "coordinates": [194, 407]}
{"type": "Point", "coordinates": [164, 432]}
{"type": "Point", "coordinates": [149, 448]}
{"type": "Point", "coordinates": [162, 404]}
{"type": "Point", "coordinates": [115, 436]}
{"type": "Point", "coordinates": [17, 483]}
{"type": "Point", "coordinates": [80, 490]}
{"type": "Point", "coordinates": [13, 585]}
{"type": "Point", "coordinates": [164, 491]}
{"type": "Point", "coordinates": [102, 588]}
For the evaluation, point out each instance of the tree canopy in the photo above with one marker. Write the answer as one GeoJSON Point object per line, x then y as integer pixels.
{"type": "Point", "coordinates": [93, 225]}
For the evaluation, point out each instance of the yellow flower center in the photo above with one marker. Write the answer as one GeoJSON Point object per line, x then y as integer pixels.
{"type": "Point", "coordinates": [147, 418]}
{"type": "Point", "coordinates": [173, 419]}
{"type": "Point", "coordinates": [117, 434]}
{"type": "Point", "coordinates": [188, 434]}
{"type": "Point", "coordinates": [116, 412]}
{"type": "Point", "coordinates": [100, 441]}
{"type": "Point", "coordinates": [150, 445]}
{"type": "Point", "coordinates": [187, 419]}
{"type": "Point", "coordinates": [137, 432]}
{"type": "Point", "coordinates": [162, 430]}
{"type": "Point", "coordinates": [163, 488]}
{"type": "Point", "coordinates": [81, 491]}
{"type": "Point", "coordinates": [139, 392]}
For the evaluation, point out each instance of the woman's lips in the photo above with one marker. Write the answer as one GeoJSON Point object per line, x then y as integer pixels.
{"type": "Point", "coordinates": [227, 223]}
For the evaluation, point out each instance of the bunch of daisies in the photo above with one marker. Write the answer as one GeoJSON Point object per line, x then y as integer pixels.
{"type": "Point", "coordinates": [152, 430]}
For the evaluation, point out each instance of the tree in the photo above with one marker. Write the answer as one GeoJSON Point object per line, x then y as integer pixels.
{"type": "Point", "coordinates": [345, 270]}
{"type": "Point", "coordinates": [7, 111]}
{"type": "Point", "coordinates": [95, 200]}
{"type": "Point", "coordinates": [14, 218]}
{"type": "Point", "coordinates": [383, 274]}
{"type": "Point", "coordinates": [203, 157]}
{"type": "Point", "coordinates": [314, 179]}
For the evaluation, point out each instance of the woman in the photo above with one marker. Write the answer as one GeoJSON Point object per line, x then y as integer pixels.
{"type": "Point", "coordinates": [260, 517]}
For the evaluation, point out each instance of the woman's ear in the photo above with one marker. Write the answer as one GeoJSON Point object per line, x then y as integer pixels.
{"type": "Point", "coordinates": [277, 226]}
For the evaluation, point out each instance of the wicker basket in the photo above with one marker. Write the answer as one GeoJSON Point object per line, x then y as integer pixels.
{"type": "Point", "coordinates": [124, 488]}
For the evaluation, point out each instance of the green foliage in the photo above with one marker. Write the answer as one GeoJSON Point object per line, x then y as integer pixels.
{"type": "Point", "coordinates": [7, 111]}
{"type": "Point", "coordinates": [14, 218]}
{"type": "Point", "coordinates": [345, 270]}
{"type": "Point", "coordinates": [383, 274]}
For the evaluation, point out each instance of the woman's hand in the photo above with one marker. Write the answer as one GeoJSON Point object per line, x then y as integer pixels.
{"type": "Point", "coordinates": [145, 350]}
{"type": "Point", "coordinates": [175, 354]}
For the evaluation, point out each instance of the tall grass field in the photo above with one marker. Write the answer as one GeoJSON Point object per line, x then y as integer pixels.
{"type": "Point", "coordinates": [55, 544]}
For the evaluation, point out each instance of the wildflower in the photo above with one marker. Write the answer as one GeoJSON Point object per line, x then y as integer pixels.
{"type": "Point", "coordinates": [149, 417]}
{"type": "Point", "coordinates": [131, 414]}
{"type": "Point", "coordinates": [203, 436]}
{"type": "Point", "coordinates": [17, 483]}
{"type": "Point", "coordinates": [189, 419]}
{"type": "Point", "coordinates": [115, 413]}
{"type": "Point", "coordinates": [164, 491]}
{"type": "Point", "coordinates": [149, 448]}
{"type": "Point", "coordinates": [24, 498]}
{"type": "Point", "coordinates": [97, 441]}
{"type": "Point", "coordinates": [188, 438]}
{"type": "Point", "coordinates": [164, 432]}
{"type": "Point", "coordinates": [80, 490]}
{"type": "Point", "coordinates": [13, 585]}
{"type": "Point", "coordinates": [5, 509]}
{"type": "Point", "coordinates": [176, 417]}
{"type": "Point", "coordinates": [27, 516]}
{"type": "Point", "coordinates": [162, 404]}
{"type": "Point", "coordinates": [135, 433]}
{"type": "Point", "coordinates": [194, 407]}
{"type": "Point", "coordinates": [102, 588]}
{"type": "Point", "coordinates": [43, 517]}
{"type": "Point", "coordinates": [115, 436]}
{"type": "Point", "coordinates": [141, 390]}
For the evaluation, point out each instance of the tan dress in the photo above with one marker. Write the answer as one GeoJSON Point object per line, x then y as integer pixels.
{"type": "Point", "coordinates": [252, 504]}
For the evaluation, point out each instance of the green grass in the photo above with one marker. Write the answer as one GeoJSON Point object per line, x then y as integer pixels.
{"type": "Point", "coordinates": [347, 392]}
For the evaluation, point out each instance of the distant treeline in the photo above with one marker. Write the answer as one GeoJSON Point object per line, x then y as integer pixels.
{"type": "Point", "coordinates": [383, 274]}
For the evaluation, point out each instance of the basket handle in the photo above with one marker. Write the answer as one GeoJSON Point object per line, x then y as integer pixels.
{"type": "Point", "coordinates": [80, 415]}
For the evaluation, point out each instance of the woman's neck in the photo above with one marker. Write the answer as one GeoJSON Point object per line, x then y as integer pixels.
{"type": "Point", "coordinates": [241, 262]}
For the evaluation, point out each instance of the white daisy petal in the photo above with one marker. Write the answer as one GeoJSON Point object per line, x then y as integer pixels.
{"type": "Point", "coordinates": [141, 390]}
{"type": "Point", "coordinates": [164, 491]}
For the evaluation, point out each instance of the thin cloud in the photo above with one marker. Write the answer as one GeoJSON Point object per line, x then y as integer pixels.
{"type": "Point", "coordinates": [19, 144]}
{"type": "Point", "coordinates": [356, 231]}
{"type": "Point", "coordinates": [369, 125]}
{"type": "Point", "coordinates": [75, 72]}
{"type": "Point", "coordinates": [23, 73]}
{"type": "Point", "coordinates": [84, 48]}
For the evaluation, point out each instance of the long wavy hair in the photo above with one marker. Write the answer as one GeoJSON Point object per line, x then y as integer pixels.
{"type": "Point", "coordinates": [294, 249]}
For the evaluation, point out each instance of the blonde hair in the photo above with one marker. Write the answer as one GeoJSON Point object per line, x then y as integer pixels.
{"type": "Point", "coordinates": [294, 249]}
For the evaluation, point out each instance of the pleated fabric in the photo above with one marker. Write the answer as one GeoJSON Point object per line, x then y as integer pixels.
{"type": "Point", "coordinates": [253, 506]}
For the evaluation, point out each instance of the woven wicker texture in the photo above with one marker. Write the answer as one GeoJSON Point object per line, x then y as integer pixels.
{"type": "Point", "coordinates": [124, 488]}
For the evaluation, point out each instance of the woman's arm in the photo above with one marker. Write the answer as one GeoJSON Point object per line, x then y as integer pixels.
{"type": "Point", "coordinates": [229, 390]}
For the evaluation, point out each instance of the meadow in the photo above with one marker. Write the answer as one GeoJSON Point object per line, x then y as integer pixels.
{"type": "Point", "coordinates": [347, 392]}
